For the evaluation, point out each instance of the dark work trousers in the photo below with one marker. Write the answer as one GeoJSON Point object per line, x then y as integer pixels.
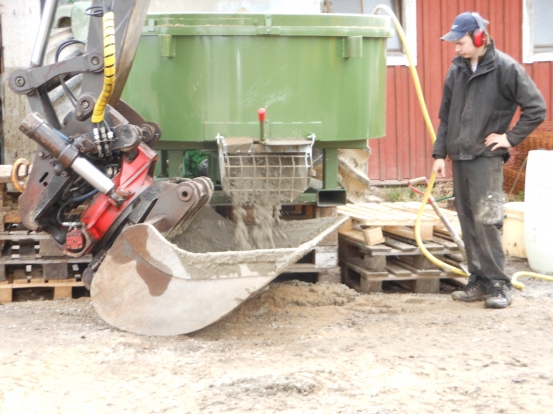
{"type": "Point", "coordinates": [478, 187]}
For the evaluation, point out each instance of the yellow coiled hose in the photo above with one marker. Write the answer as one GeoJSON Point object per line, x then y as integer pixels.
{"type": "Point", "coordinates": [430, 129]}
{"type": "Point", "coordinates": [109, 67]}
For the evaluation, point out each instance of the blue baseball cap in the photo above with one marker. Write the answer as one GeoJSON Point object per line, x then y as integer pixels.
{"type": "Point", "coordinates": [464, 23]}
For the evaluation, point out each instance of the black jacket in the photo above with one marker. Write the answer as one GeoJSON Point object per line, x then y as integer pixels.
{"type": "Point", "coordinates": [476, 104]}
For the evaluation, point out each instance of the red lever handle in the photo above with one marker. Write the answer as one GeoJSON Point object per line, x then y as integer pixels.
{"type": "Point", "coordinates": [261, 113]}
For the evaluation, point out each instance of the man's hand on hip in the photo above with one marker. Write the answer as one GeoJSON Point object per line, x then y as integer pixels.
{"type": "Point", "coordinates": [439, 167]}
{"type": "Point", "coordinates": [498, 140]}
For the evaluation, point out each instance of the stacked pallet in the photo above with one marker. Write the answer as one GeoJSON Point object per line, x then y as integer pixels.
{"type": "Point", "coordinates": [31, 260]}
{"type": "Point", "coordinates": [377, 244]}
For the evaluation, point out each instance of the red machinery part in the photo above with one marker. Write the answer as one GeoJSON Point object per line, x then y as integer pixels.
{"type": "Point", "coordinates": [135, 176]}
{"type": "Point", "coordinates": [262, 114]}
{"type": "Point", "coordinates": [75, 241]}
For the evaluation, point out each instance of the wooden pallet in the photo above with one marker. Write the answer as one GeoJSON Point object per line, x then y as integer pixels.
{"type": "Point", "coordinates": [62, 288]}
{"type": "Point", "coordinates": [394, 218]}
{"type": "Point", "coordinates": [396, 260]}
{"type": "Point", "coordinates": [29, 255]}
{"type": "Point", "coordinates": [322, 261]}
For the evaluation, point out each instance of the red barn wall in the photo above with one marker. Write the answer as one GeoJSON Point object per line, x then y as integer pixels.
{"type": "Point", "coordinates": [405, 151]}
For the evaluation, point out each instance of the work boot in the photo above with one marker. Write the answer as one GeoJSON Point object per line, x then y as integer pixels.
{"type": "Point", "coordinates": [476, 289]}
{"type": "Point", "coordinates": [500, 295]}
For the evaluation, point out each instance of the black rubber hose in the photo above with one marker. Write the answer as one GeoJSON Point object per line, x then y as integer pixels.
{"type": "Point", "coordinates": [73, 200]}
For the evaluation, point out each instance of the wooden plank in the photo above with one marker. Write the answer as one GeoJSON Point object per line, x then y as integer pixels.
{"type": "Point", "coordinates": [377, 249]}
{"type": "Point", "coordinates": [414, 208]}
{"type": "Point", "coordinates": [6, 173]}
{"type": "Point", "coordinates": [418, 272]}
{"type": "Point", "coordinates": [371, 217]}
{"type": "Point", "coordinates": [369, 285]}
{"type": "Point", "coordinates": [420, 261]}
{"type": "Point", "coordinates": [398, 270]}
{"type": "Point", "coordinates": [19, 276]}
{"type": "Point", "coordinates": [41, 284]}
{"type": "Point", "coordinates": [451, 262]}
{"type": "Point", "coordinates": [403, 82]}
{"type": "Point", "coordinates": [384, 213]}
{"type": "Point", "coordinates": [12, 217]}
{"type": "Point", "coordinates": [62, 292]}
{"type": "Point", "coordinates": [426, 232]}
{"type": "Point", "coordinates": [356, 264]}
{"type": "Point", "coordinates": [396, 244]}
{"type": "Point", "coordinates": [348, 280]}
{"type": "Point", "coordinates": [421, 285]}
{"type": "Point", "coordinates": [354, 235]}
{"type": "Point", "coordinates": [394, 210]}
{"type": "Point", "coordinates": [50, 260]}
{"type": "Point", "coordinates": [390, 156]}
{"type": "Point", "coordinates": [430, 246]}
{"type": "Point", "coordinates": [6, 295]}
{"type": "Point", "coordinates": [28, 235]}
{"type": "Point", "coordinates": [62, 289]}
{"type": "Point", "coordinates": [373, 235]}
{"type": "Point", "coordinates": [376, 263]}
{"type": "Point", "coordinates": [455, 256]}
{"type": "Point", "coordinates": [446, 243]}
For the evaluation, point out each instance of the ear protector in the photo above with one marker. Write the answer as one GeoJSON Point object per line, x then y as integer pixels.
{"type": "Point", "coordinates": [479, 36]}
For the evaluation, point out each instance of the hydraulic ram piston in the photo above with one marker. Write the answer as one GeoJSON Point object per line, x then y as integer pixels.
{"type": "Point", "coordinates": [67, 155]}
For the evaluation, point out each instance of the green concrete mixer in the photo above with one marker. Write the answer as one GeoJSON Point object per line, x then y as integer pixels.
{"type": "Point", "coordinates": [255, 94]}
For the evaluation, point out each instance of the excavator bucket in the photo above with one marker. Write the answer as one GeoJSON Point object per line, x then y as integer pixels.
{"type": "Point", "coordinates": [152, 285]}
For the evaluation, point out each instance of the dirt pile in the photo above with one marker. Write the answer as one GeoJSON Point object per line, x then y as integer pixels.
{"type": "Point", "coordinates": [297, 293]}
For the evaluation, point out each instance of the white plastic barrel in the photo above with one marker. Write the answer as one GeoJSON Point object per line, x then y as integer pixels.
{"type": "Point", "coordinates": [538, 218]}
{"type": "Point", "coordinates": [513, 229]}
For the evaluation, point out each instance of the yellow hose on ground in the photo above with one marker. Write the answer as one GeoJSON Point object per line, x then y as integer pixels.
{"type": "Point", "coordinates": [430, 128]}
{"type": "Point", "coordinates": [520, 285]}
{"type": "Point", "coordinates": [109, 67]}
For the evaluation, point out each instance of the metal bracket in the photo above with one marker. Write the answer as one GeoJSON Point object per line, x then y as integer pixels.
{"type": "Point", "coordinates": [24, 81]}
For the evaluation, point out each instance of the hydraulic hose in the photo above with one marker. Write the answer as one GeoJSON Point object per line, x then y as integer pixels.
{"type": "Point", "coordinates": [430, 128]}
{"type": "Point", "coordinates": [109, 67]}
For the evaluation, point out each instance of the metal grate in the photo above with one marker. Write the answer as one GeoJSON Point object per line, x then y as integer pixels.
{"type": "Point", "coordinates": [266, 177]}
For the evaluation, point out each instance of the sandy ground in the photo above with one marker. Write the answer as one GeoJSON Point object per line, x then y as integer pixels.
{"type": "Point", "coordinates": [296, 348]}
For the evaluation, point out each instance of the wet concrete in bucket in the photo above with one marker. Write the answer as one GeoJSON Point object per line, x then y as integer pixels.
{"type": "Point", "coordinates": [211, 232]}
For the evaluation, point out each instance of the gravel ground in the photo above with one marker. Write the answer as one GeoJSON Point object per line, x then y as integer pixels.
{"type": "Point", "coordinates": [296, 348]}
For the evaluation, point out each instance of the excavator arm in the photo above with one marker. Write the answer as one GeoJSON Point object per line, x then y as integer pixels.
{"type": "Point", "coordinates": [93, 173]}
{"type": "Point", "coordinates": [163, 262]}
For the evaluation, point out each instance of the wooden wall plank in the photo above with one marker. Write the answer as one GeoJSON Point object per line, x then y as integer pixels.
{"type": "Point", "coordinates": [550, 103]}
{"type": "Point", "coordinates": [403, 131]}
{"type": "Point", "coordinates": [390, 154]}
{"type": "Point", "coordinates": [405, 152]}
{"type": "Point", "coordinates": [541, 73]}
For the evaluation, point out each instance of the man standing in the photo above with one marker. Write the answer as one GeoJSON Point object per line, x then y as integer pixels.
{"type": "Point", "coordinates": [482, 91]}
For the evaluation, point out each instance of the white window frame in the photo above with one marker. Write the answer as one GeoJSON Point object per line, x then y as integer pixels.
{"type": "Point", "coordinates": [528, 55]}
{"type": "Point", "coordinates": [409, 19]}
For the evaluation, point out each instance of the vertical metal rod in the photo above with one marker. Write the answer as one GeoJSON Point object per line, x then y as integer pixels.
{"type": "Point", "coordinates": [46, 21]}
